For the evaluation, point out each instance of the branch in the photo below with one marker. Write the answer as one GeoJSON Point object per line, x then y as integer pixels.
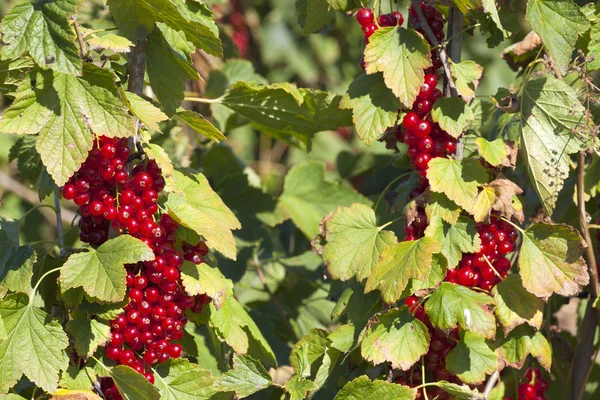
{"type": "Point", "coordinates": [491, 383]}
{"type": "Point", "coordinates": [82, 50]}
{"type": "Point", "coordinates": [583, 360]}
{"type": "Point", "coordinates": [431, 37]}
{"type": "Point", "coordinates": [137, 70]}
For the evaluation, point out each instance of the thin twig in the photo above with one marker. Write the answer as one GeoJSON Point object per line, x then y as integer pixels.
{"type": "Point", "coordinates": [82, 48]}
{"type": "Point", "coordinates": [582, 361]}
{"type": "Point", "coordinates": [491, 383]}
{"type": "Point", "coordinates": [280, 310]}
{"type": "Point", "coordinates": [59, 228]}
{"type": "Point", "coordinates": [137, 70]}
{"type": "Point", "coordinates": [431, 36]}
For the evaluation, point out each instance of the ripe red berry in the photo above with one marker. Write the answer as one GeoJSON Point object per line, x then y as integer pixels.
{"type": "Point", "coordinates": [426, 145]}
{"type": "Point", "coordinates": [422, 160]}
{"type": "Point", "coordinates": [68, 191]}
{"type": "Point", "coordinates": [410, 121]}
{"type": "Point", "coordinates": [369, 30]}
{"type": "Point", "coordinates": [175, 350]}
{"type": "Point", "coordinates": [113, 352]}
{"type": "Point", "coordinates": [526, 391]}
{"type": "Point", "coordinates": [108, 150]}
{"type": "Point", "coordinates": [82, 185]}
{"type": "Point", "coordinates": [505, 248]}
{"type": "Point", "coordinates": [465, 276]}
{"type": "Point", "coordinates": [365, 16]}
{"type": "Point", "coordinates": [127, 357]}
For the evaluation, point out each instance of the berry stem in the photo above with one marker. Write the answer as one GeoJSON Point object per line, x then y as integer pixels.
{"type": "Point", "coordinates": [387, 188]}
{"type": "Point", "coordinates": [517, 227]}
{"type": "Point", "coordinates": [492, 267]}
{"type": "Point", "coordinates": [40, 281]}
{"type": "Point", "coordinates": [423, 377]}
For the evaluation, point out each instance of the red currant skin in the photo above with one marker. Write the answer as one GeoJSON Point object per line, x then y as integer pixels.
{"type": "Point", "coordinates": [526, 391]}
{"type": "Point", "coordinates": [465, 276]}
{"type": "Point", "coordinates": [423, 129]}
{"type": "Point", "coordinates": [410, 121]}
{"type": "Point", "coordinates": [369, 30]}
{"type": "Point", "coordinates": [108, 151]}
{"type": "Point", "coordinates": [175, 350]}
{"type": "Point", "coordinates": [142, 180]}
{"type": "Point", "coordinates": [399, 17]}
{"type": "Point", "coordinates": [426, 145]}
{"type": "Point", "coordinates": [365, 16]}
{"type": "Point", "coordinates": [68, 191]}
{"type": "Point", "coordinates": [422, 160]}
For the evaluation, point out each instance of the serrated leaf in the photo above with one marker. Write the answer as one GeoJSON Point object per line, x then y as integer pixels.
{"type": "Point", "coordinates": [521, 342]}
{"type": "Point", "coordinates": [28, 159]}
{"type": "Point", "coordinates": [110, 41]}
{"type": "Point", "coordinates": [437, 274]}
{"type": "Point", "coordinates": [364, 389]}
{"type": "Point", "coordinates": [467, 75]}
{"type": "Point", "coordinates": [559, 23]}
{"type": "Point", "coordinates": [234, 326]}
{"type": "Point", "coordinates": [452, 114]}
{"type": "Point", "coordinates": [158, 154]}
{"type": "Point", "coordinates": [43, 30]}
{"type": "Point", "coordinates": [32, 343]}
{"type": "Point", "coordinates": [87, 333]}
{"type": "Point", "coordinates": [457, 179]}
{"type": "Point", "coordinates": [298, 388]}
{"type": "Point", "coordinates": [403, 56]}
{"type": "Point", "coordinates": [137, 17]}
{"type": "Point", "coordinates": [472, 359]}
{"type": "Point", "coordinates": [101, 271]}
{"type": "Point", "coordinates": [460, 391]}
{"type": "Point", "coordinates": [196, 206]}
{"type": "Point", "coordinates": [400, 263]}
{"type": "Point", "coordinates": [201, 125]}
{"type": "Point", "coordinates": [313, 15]}
{"type": "Point", "coordinates": [594, 48]}
{"type": "Point", "coordinates": [550, 111]}
{"type": "Point", "coordinates": [308, 196]}
{"type": "Point", "coordinates": [483, 204]}
{"type": "Point", "coordinates": [506, 193]}
{"type": "Point", "coordinates": [77, 379]}
{"type": "Point", "coordinates": [132, 385]}
{"type": "Point", "coordinates": [248, 376]}
{"type": "Point", "coordinates": [374, 106]}
{"type": "Point", "coordinates": [354, 242]}
{"type": "Point", "coordinates": [203, 279]}
{"type": "Point", "coordinates": [451, 305]}
{"type": "Point", "coordinates": [397, 337]}
{"type": "Point", "coordinates": [439, 205]}
{"type": "Point", "coordinates": [145, 111]}
{"type": "Point", "coordinates": [550, 260]}
{"type": "Point", "coordinates": [12, 72]}
{"type": "Point", "coordinates": [179, 379]}
{"type": "Point", "coordinates": [493, 152]}
{"type": "Point", "coordinates": [308, 350]}
{"type": "Point", "coordinates": [462, 237]}
{"type": "Point", "coordinates": [16, 273]}
{"type": "Point", "coordinates": [65, 394]}
{"type": "Point", "coordinates": [515, 305]}
{"type": "Point", "coordinates": [167, 72]}
{"type": "Point", "coordinates": [66, 111]}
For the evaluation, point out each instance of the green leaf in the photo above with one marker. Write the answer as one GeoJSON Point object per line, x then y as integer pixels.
{"type": "Point", "coordinates": [66, 110]}
{"type": "Point", "coordinates": [77, 379]}
{"type": "Point", "coordinates": [460, 391]}
{"type": "Point", "coordinates": [167, 72]}
{"type": "Point", "coordinates": [179, 379]}
{"type": "Point", "coordinates": [436, 276]}
{"type": "Point", "coordinates": [101, 271]}
{"type": "Point", "coordinates": [364, 389]}
{"type": "Point", "coordinates": [457, 179]}
{"type": "Point", "coordinates": [594, 48]}
{"type": "Point", "coordinates": [298, 388]}
{"type": "Point", "coordinates": [400, 263]}
{"type": "Point", "coordinates": [559, 23]}
{"type": "Point", "coordinates": [550, 111]}
{"type": "Point", "coordinates": [234, 326]}
{"type": "Point", "coordinates": [31, 343]}
{"type": "Point", "coordinates": [203, 279]}
{"type": "Point", "coordinates": [397, 337]}
{"type": "Point", "coordinates": [28, 159]}
{"type": "Point", "coordinates": [112, 42]}
{"type": "Point", "coordinates": [374, 106]}
{"type": "Point", "coordinates": [43, 30]}
{"type": "Point", "coordinates": [199, 124]}
{"type": "Point", "coordinates": [308, 196]}
{"type": "Point", "coordinates": [310, 348]}
{"type": "Point", "coordinates": [550, 260]}
{"type": "Point", "coordinates": [466, 5]}
{"type": "Point", "coordinates": [145, 111]}
{"type": "Point", "coordinates": [472, 359]}
{"type": "Point", "coordinates": [493, 152]}
{"type": "Point", "coordinates": [452, 114]}
{"type": "Point", "coordinates": [16, 274]}
{"type": "Point", "coordinates": [354, 242]}
{"type": "Point", "coordinates": [248, 376]}
{"type": "Point", "coordinates": [452, 305]}
{"type": "Point", "coordinates": [439, 205]}
{"type": "Point", "coordinates": [403, 56]}
{"type": "Point", "coordinates": [133, 385]}
{"type": "Point", "coordinates": [521, 342]}
{"type": "Point", "coordinates": [87, 333]}
{"type": "Point", "coordinates": [137, 17]}
{"type": "Point", "coordinates": [196, 206]}
{"type": "Point", "coordinates": [12, 72]}
{"type": "Point", "coordinates": [456, 239]}
{"type": "Point", "coordinates": [467, 75]}
{"type": "Point", "coordinates": [313, 15]}
{"type": "Point", "coordinates": [515, 305]}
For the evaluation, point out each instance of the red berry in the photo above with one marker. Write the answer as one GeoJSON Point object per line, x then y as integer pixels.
{"type": "Point", "coordinates": [410, 121]}
{"type": "Point", "coordinates": [82, 185]}
{"type": "Point", "coordinates": [399, 17]}
{"type": "Point", "coordinates": [127, 357]}
{"type": "Point", "coordinates": [422, 160]}
{"type": "Point", "coordinates": [423, 129]}
{"type": "Point", "coordinates": [365, 16]}
{"type": "Point", "coordinates": [175, 350]}
{"type": "Point", "coordinates": [505, 248]}
{"type": "Point", "coordinates": [149, 377]}
{"type": "Point", "coordinates": [387, 20]}
{"type": "Point", "coordinates": [150, 196]}
{"type": "Point", "coordinates": [422, 106]}
{"type": "Point", "coordinates": [121, 176]}
{"type": "Point", "coordinates": [369, 30]}
{"type": "Point", "coordinates": [526, 391]}
{"type": "Point", "coordinates": [126, 197]}
{"type": "Point", "coordinates": [465, 276]}
{"type": "Point", "coordinates": [81, 199]}
{"type": "Point", "coordinates": [68, 191]}
{"type": "Point", "coordinates": [113, 352]}
{"type": "Point", "coordinates": [450, 146]}
{"type": "Point", "coordinates": [426, 144]}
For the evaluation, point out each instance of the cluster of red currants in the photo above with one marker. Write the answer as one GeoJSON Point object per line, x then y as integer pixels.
{"type": "Point", "coordinates": [436, 23]}
{"type": "Point", "coordinates": [366, 19]}
{"type": "Point", "coordinates": [110, 197]}
{"type": "Point", "coordinates": [241, 33]}
{"type": "Point", "coordinates": [534, 386]}
{"type": "Point", "coordinates": [486, 268]}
